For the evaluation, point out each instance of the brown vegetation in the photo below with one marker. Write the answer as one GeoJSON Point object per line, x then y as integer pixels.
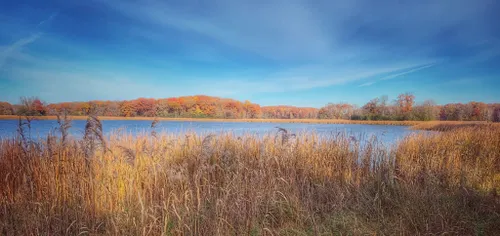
{"type": "Point", "coordinates": [453, 125]}
{"type": "Point", "coordinates": [165, 184]}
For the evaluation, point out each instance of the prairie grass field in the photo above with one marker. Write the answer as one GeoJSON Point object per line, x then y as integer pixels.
{"type": "Point", "coordinates": [283, 184]}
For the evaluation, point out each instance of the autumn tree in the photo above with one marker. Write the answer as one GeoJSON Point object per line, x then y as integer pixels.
{"type": "Point", "coordinates": [372, 109]}
{"type": "Point", "coordinates": [127, 109]}
{"type": "Point", "coordinates": [6, 108]}
{"type": "Point", "coordinates": [32, 106]}
{"type": "Point", "coordinates": [383, 107]}
{"type": "Point", "coordinates": [405, 103]}
{"type": "Point", "coordinates": [426, 111]}
{"type": "Point", "coordinates": [289, 112]}
{"type": "Point", "coordinates": [112, 109]}
{"type": "Point", "coordinates": [473, 111]}
{"type": "Point", "coordinates": [252, 111]}
{"type": "Point", "coordinates": [446, 112]}
{"type": "Point", "coordinates": [174, 106]}
{"type": "Point", "coordinates": [496, 113]}
{"type": "Point", "coordinates": [162, 109]}
{"type": "Point", "coordinates": [207, 105]}
{"type": "Point", "coordinates": [144, 107]}
{"type": "Point", "coordinates": [477, 111]}
{"type": "Point", "coordinates": [233, 109]}
{"type": "Point", "coordinates": [187, 103]}
{"type": "Point", "coordinates": [336, 111]}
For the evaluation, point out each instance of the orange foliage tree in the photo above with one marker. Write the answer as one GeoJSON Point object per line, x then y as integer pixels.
{"type": "Point", "coordinates": [405, 103]}
{"type": "Point", "coordinates": [289, 112]}
{"type": "Point", "coordinates": [6, 108]}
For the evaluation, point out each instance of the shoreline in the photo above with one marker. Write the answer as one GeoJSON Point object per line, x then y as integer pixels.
{"type": "Point", "coordinates": [304, 121]}
{"type": "Point", "coordinates": [414, 124]}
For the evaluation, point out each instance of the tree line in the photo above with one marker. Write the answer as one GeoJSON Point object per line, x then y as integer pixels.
{"type": "Point", "coordinates": [403, 107]}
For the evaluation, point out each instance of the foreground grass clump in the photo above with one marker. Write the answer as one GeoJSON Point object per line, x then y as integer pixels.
{"type": "Point", "coordinates": [165, 184]}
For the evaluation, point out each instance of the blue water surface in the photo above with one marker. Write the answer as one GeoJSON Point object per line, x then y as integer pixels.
{"type": "Point", "coordinates": [384, 133]}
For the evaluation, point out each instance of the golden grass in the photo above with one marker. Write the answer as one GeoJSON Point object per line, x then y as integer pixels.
{"type": "Point", "coordinates": [167, 184]}
{"type": "Point", "coordinates": [452, 125]}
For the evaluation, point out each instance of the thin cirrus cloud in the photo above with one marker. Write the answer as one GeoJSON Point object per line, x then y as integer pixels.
{"type": "Point", "coordinates": [300, 28]}
{"type": "Point", "coordinates": [246, 48]}
{"type": "Point", "coordinates": [275, 29]}
{"type": "Point", "coordinates": [14, 48]}
{"type": "Point", "coordinates": [392, 76]}
{"type": "Point", "coordinates": [81, 81]}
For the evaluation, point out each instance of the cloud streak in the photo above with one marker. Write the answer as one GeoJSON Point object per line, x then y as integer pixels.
{"type": "Point", "coordinates": [407, 71]}
{"type": "Point", "coordinates": [319, 30]}
{"type": "Point", "coordinates": [48, 20]}
{"type": "Point", "coordinates": [16, 46]}
{"type": "Point", "coordinates": [242, 24]}
{"type": "Point", "coordinates": [8, 52]}
{"type": "Point", "coordinates": [60, 79]}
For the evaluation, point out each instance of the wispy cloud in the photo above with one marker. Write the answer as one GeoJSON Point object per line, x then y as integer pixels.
{"type": "Point", "coordinates": [48, 20]}
{"type": "Point", "coordinates": [11, 49]}
{"type": "Point", "coordinates": [19, 44]}
{"type": "Point", "coordinates": [72, 82]}
{"type": "Point", "coordinates": [277, 29]}
{"type": "Point", "coordinates": [392, 76]}
{"type": "Point", "coordinates": [302, 78]}
{"type": "Point", "coordinates": [367, 84]}
{"type": "Point", "coordinates": [55, 80]}
{"type": "Point", "coordinates": [317, 30]}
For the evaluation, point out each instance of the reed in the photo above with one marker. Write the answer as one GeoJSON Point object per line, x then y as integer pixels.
{"type": "Point", "coordinates": [282, 184]}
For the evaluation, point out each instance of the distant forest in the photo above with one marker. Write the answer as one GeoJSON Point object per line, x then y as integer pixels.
{"type": "Point", "coordinates": [201, 106]}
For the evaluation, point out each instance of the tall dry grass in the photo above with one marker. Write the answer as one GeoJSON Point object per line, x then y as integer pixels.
{"type": "Point", "coordinates": [453, 125]}
{"type": "Point", "coordinates": [168, 184]}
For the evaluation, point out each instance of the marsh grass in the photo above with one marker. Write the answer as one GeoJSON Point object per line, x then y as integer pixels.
{"type": "Point", "coordinates": [453, 125]}
{"type": "Point", "coordinates": [283, 184]}
{"type": "Point", "coordinates": [64, 123]}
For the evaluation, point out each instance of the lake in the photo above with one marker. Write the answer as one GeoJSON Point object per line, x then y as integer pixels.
{"type": "Point", "coordinates": [385, 134]}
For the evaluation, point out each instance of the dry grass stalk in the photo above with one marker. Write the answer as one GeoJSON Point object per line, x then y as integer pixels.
{"type": "Point", "coordinates": [64, 122]}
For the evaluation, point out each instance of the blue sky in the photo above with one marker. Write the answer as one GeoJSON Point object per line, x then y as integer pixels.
{"type": "Point", "coordinates": [293, 52]}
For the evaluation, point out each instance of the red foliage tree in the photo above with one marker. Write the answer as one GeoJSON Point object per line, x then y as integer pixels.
{"type": "Point", "coordinates": [144, 107]}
